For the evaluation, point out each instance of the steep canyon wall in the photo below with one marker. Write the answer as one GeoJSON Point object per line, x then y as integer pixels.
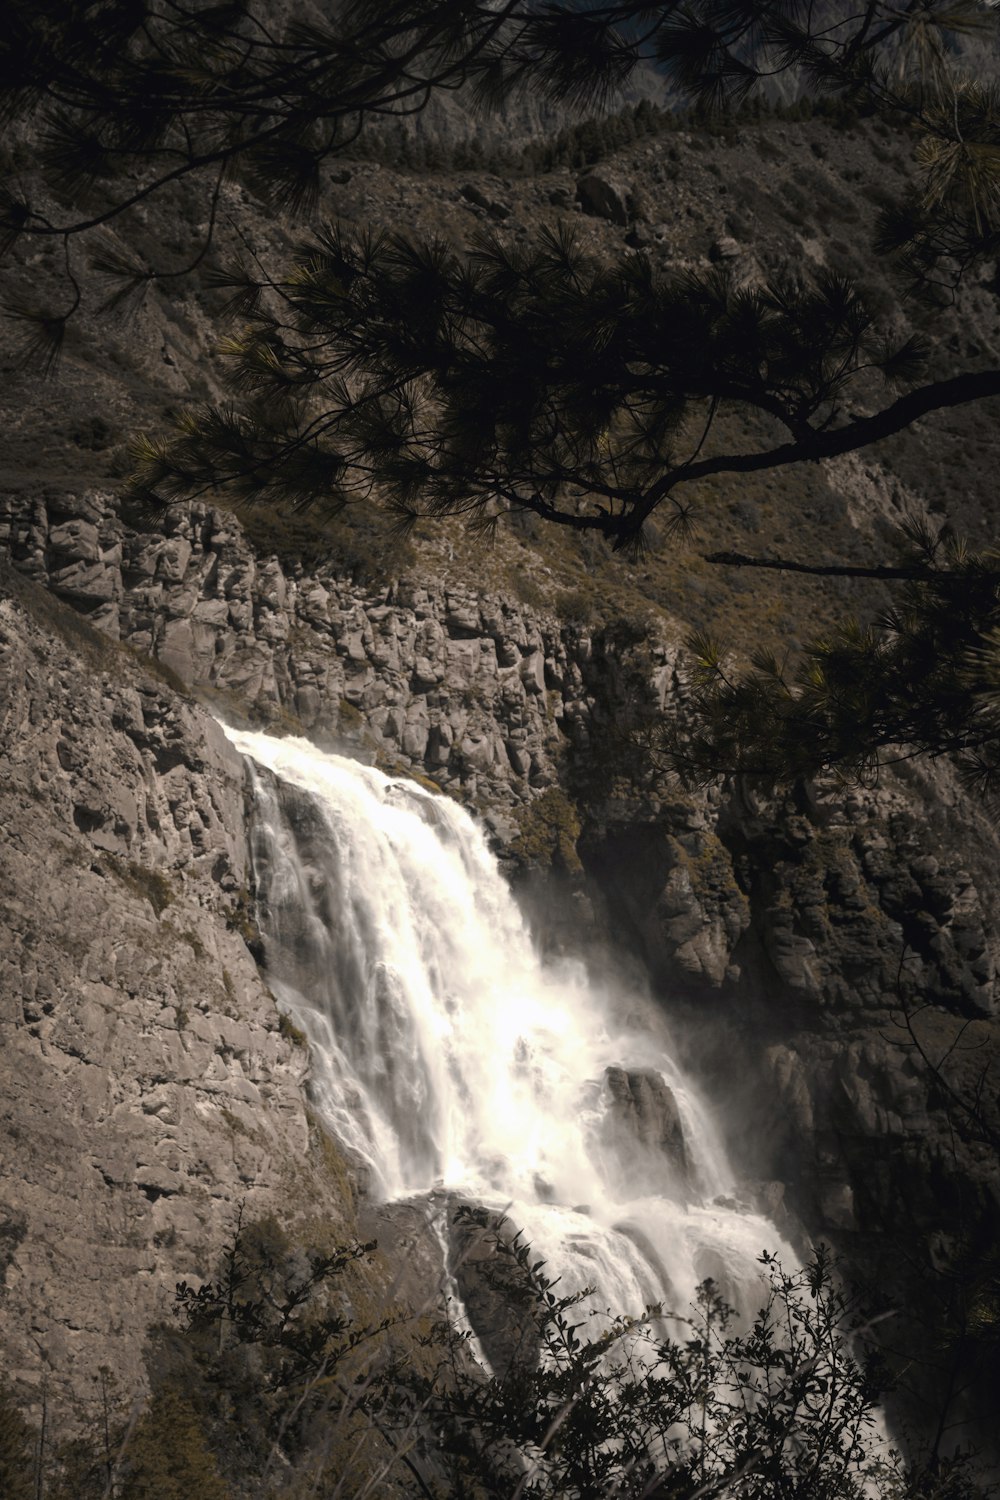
{"type": "Point", "coordinates": [152, 1088]}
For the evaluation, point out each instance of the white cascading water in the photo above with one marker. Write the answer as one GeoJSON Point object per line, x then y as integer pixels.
{"type": "Point", "coordinates": [447, 1053]}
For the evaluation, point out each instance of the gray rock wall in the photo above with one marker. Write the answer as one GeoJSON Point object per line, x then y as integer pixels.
{"type": "Point", "coordinates": [148, 1089]}
{"type": "Point", "coordinates": [479, 692]}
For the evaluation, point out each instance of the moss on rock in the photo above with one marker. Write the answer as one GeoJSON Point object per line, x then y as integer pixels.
{"type": "Point", "coordinates": [548, 829]}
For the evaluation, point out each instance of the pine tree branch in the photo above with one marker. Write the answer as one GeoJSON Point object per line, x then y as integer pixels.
{"type": "Point", "coordinates": [385, 82]}
{"type": "Point", "coordinates": [938, 395]}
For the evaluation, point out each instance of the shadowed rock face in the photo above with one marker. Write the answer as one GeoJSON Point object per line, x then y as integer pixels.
{"type": "Point", "coordinates": [13, 1228]}
{"type": "Point", "coordinates": [495, 1292]}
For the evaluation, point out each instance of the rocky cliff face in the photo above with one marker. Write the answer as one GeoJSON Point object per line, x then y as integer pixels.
{"type": "Point", "coordinates": [798, 934]}
{"type": "Point", "coordinates": [148, 1086]}
{"type": "Point", "coordinates": [442, 676]}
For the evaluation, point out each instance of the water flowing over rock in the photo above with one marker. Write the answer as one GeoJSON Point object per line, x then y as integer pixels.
{"type": "Point", "coordinates": [647, 1108]}
{"type": "Point", "coordinates": [780, 923]}
{"type": "Point", "coordinates": [448, 1055]}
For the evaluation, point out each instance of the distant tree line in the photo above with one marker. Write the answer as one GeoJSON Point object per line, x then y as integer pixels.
{"type": "Point", "coordinates": [393, 143]}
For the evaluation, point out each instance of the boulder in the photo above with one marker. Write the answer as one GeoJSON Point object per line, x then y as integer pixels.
{"type": "Point", "coordinates": [604, 196]}
{"type": "Point", "coordinates": [724, 249]}
{"type": "Point", "coordinates": [495, 1289]}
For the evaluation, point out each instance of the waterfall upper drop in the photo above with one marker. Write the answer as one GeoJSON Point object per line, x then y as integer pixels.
{"type": "Point", "coordinates": [447, 1053]}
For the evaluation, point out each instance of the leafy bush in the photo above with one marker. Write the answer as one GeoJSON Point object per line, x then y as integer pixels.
{"type": "Point", "coordinates": [623, 1407]}
{"type": "Point", "coordinates": [272, 1389]}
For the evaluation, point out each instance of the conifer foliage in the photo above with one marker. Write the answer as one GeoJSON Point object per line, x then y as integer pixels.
{"type": "Point", "coordinates": [530, 378]}
{"type": "Point", "coordinates": [524, 375]}
{"type": "Point", "coordinates": [922, 678]}
{"type": "Point", "coordinates": [106, 103]}
{"type": "Point", "coordinates": [126, 98]}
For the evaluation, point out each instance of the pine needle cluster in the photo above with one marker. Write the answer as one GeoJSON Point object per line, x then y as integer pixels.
{"type": "Point", "coordinates": [529, 376]}
{"type": "Point", "coordinates": [922, 678]}
{"type": "Point", "coordinates": [116, 101]}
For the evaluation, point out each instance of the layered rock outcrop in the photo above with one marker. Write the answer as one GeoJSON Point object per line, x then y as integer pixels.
{"type": "Point", "coordinates": [479, 692]}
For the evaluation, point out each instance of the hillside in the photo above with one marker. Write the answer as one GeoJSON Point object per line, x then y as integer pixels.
{"type": "Point", "coordinates": [785, 937]}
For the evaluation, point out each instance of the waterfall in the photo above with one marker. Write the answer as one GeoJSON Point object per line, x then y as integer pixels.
{"type": "Point", "coordinates": [448, 1054]}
